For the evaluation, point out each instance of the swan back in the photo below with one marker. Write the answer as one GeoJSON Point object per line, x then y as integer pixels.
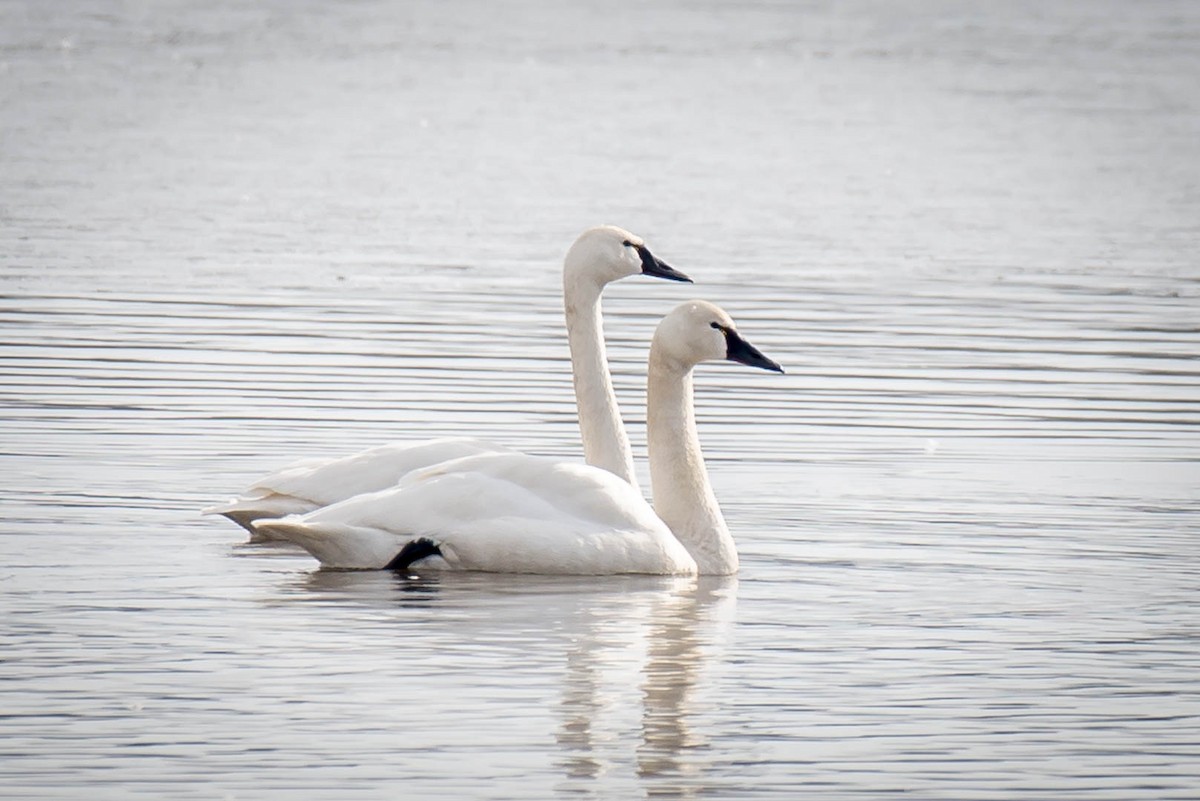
{"type": "Point", "coordinates": [307, 485]}
{"type": "Point", "coordinates": [370, 470]}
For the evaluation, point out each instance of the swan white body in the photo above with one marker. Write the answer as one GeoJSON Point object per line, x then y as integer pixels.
{"type": "Point", "coordinates": [508, 513]}
{"type": "Point", "coordinates": [597, 258]}
{"type": "Point", "coordinates": [514, 513]}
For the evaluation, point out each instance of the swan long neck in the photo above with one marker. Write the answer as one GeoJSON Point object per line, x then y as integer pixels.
{"type": "Point", "coordinates": [683, 497]}
{"type": "Point", "coordinates": [605, 443]}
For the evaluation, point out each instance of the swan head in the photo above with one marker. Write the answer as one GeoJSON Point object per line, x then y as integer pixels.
{"type": "Point", "coordinates": [699, 331]}
{"type": "Point", "coordinates": [607, 253]}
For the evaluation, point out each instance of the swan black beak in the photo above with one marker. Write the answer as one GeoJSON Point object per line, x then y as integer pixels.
{"type": "Point", "coordinates": [740, 351]}
{"type": "Point", "coordinates": [652, 265]}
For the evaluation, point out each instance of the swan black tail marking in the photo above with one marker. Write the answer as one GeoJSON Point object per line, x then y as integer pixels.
{"type": "Point", "coordinates": [413, 551]}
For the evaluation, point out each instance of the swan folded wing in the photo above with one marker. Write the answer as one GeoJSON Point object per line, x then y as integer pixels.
{"type": "Point", "coordinates": [567, 489]}
{"type": "Point", "coordinates": [508, 513]}
{"type": "Point", "coordinates": [371, 470]}
{"type": "Point", "coordinates": [328, 481]}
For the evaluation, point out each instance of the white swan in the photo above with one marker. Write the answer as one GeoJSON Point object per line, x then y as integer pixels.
{"type": "Point", "coordinates": [514, 513]}
{"type": "Point", "coordinates": [598, 257]}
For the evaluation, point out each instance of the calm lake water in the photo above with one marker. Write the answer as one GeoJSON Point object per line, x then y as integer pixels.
{"type": "Point", "coordinates": [234, 234]}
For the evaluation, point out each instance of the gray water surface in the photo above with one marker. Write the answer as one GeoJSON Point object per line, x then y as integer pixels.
{"type": "Point", "coordinates": [235, 234]}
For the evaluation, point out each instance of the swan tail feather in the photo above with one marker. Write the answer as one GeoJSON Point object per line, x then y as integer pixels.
{"type": "Point", "coordinates": [246, 510]}
{"type": "Point", "coordinates": [341, 545]}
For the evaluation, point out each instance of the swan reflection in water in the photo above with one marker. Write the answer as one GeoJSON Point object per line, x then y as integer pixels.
{"type": "Point", "coordinates": [688, 631]}
{"type": "Point", "coordinates": [680, 626]}
{"type": "Point", "coordinates": [631, 652]}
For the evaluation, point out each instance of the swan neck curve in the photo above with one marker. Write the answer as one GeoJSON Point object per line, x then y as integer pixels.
{"type": "Point", "coordinates": [605, 443]}
{"type": "Point", "coordinates": [683, 496]}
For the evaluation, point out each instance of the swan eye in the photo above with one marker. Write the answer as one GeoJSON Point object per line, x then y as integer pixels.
{"type": "Point", "coordinates": [627, 243]}
{"type": "Point", "coordinates": [715, 325]}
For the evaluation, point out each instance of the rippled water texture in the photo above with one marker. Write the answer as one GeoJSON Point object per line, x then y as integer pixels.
{"type": "Point", "coordinates": [234, 234]}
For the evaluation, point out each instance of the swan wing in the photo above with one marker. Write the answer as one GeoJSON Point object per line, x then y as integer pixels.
{"type": "Point", "coordinates": [304, 486]}
{"type": "Point", "coordinates": [507, 513]}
